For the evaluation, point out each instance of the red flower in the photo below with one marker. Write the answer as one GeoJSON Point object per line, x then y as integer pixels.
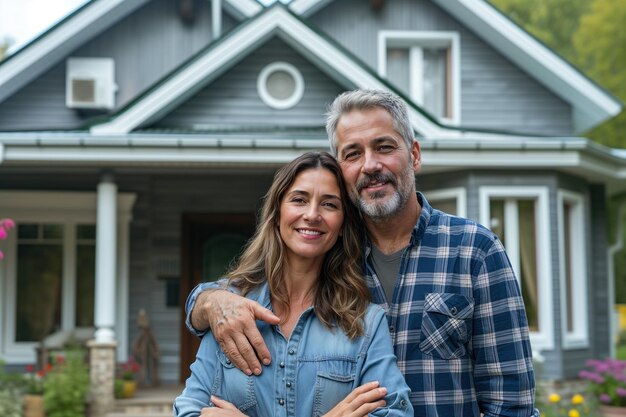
{"type": "Point", "coordinates": [30, 368]}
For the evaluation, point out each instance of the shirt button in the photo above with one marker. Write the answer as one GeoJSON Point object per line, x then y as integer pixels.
{"type": "Point", "coordinates": [281, 402]}
{"type": "Point", "coordinates": [291, 351]}
{"type": "Point", "coordinates": [282, 364]}
{"type": "Point", "coordinates": [453, 311]}
{"type": "Point", "coordinates": [403, 403]}
{"type": "Point", "coordinates": [391, 328]}
{"type": "Point", "coordinates": [288, 384]}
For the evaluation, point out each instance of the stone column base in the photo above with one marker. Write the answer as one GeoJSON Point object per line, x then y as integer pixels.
{"type": "Point", "coordinates": [102, 375]}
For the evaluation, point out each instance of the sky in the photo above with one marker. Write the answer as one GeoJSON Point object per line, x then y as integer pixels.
{"type": "Point", "coordinates": [23, 20]}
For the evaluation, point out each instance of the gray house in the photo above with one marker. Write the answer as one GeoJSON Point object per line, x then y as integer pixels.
{"type": "Point", "coordinates": [159, 124]}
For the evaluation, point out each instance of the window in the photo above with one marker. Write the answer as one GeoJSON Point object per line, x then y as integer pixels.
{"type": "Point", "coordinates": [519, 216]}
{"type": "Point", "coordinates": [573, 270]}
{"type": "Point", "coordinates": [47, 279]}
{"type": "Point", "coordinates": [280, 85]}
{"type": "Point", "coordinates": [426, 66]}
{"type": "Point", "coordinates": [449, 200]}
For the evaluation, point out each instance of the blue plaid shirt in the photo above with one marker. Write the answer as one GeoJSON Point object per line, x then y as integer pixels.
{"type": "Point", "coordinates": [458, 321]}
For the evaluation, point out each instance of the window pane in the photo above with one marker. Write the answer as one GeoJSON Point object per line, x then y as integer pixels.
{"type": "Point", "coordinates": [435, 81]}
{"type": "Point", "coordinates": [281, 85]}
{"type": "Point", "coordinates": [447, 205]}
{"type": "Point", "coordinates": [53, 231]}
{"type": "Point", "coordinates": [528, 261]}
{"type": "Point", "coordinates": [27, 231]}
{"type": "Point", "coordinates": [85, 284]}
{"type": "Point", "coordinates": [86, 232]}
{"type": "Point", "coordinates": [398, 67]}
{"type": "Point", "coordinates": [567, 240]}
{"type": "Point", "coordinates": [39, 280]}
{"type": "Point", "coordinates": [496, 223]}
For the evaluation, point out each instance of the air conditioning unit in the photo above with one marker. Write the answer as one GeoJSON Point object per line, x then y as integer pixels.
{"type": "Point", "coordinates": [90, 83]}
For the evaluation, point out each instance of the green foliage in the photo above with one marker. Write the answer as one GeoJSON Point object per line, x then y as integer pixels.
{"type": "Point", "coordinates": [11, 389]}
{"type": "Point", "coordinates": [66, 387]}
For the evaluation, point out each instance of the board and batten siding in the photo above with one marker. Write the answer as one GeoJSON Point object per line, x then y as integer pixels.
{"type": "Point", "coordinates": [146, 45]}
{"type": "Point", "coordinates": [495, 93]}
{"type": "Point", "coordinates": [232, 99]}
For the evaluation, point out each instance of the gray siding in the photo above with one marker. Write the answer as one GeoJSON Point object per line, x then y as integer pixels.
{"type": "Point", "coordinates": [145, 45]}
{"type": "Point", "coordinates": [233, 99]}
{"type": "Point", "coordinates": [494, 92]}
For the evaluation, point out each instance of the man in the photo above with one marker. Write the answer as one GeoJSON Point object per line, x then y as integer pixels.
{"type": "Point", "coordinates": [455, 311]}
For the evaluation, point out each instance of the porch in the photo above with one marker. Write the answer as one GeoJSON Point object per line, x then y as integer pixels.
{"type": "Point", "coordinates": [147, 402]}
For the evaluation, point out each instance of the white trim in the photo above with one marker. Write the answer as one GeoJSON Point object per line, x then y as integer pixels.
{"type": "Point", "coordinates": [579, 337]}
{"type": "Point", "coordinates": [544, 339]}
{"type": "Point", "coordinates": [280, 104]}
{"type": "Point", "coordinates": [307, 7]}
{"type": "Point", "coordinates": [69, 208]}
{"type": "Point", "coordinates": [275, 20]}
{"type": "Point", "coordinates": [457, 193]}
{"type": "Point", "coordinates": [415, 41]}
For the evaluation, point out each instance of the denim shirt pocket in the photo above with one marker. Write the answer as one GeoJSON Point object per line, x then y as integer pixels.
{"type": "Point", "coordinates": [232, 385]}
{"type": "Point", "coordinates": [446, 325]}
{"type": "Point", "coordinates": [334, 381]}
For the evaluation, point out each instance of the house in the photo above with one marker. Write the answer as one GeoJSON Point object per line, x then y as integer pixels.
{"type": "Point", "coordinates": [159, 124]}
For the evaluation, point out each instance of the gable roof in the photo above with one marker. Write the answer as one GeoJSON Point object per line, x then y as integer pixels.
{"type": "Point", "coordinates": [83, 24]}
{"type": "Point", "coordinates": [591, 104]}
{"type": "Point", "coordinates": [276, 20]}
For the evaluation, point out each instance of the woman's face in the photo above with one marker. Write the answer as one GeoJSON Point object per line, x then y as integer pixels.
{"type": "Point", "coordinates": [311, 214]}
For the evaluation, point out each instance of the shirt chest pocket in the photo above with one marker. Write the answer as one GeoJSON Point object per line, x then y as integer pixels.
{"type": "Point", "coordinates": [233, 385]}
{"type": "Point", "coordinates": [446, 325]}
{"type": "Point", "coordinates": [333, 382]}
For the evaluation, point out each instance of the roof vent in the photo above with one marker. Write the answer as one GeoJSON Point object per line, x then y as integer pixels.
{"type": "Point", "coordinates": [90, 83]}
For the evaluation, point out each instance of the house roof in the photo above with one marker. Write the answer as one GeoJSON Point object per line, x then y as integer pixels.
{"type": "Point", "coordinates": [591, 104]}
{"type": "Point", "coordinates": [83, 24]}
{"type": "Point", "coordinates": [277, 20]}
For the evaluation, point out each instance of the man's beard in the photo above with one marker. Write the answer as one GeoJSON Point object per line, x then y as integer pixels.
{"type": "Point", "coordinates": [379, 211]}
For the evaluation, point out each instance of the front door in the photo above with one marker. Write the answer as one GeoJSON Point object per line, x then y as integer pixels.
{"type": "Point", "coordinates": [210, 242]}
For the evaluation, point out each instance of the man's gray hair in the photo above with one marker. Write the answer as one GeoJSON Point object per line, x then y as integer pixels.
{"type": "Point", "coordinates": [368, 100]}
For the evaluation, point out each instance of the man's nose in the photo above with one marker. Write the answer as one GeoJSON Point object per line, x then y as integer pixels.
{"type": "Point", "coordinates": [371, 162]}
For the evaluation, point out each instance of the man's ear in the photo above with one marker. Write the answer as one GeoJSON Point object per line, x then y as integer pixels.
{"type": "Point", "coordinates": [416, 156]}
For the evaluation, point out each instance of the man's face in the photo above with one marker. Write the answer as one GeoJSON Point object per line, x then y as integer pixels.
{"type": "Point", "coordinates": [378, 168]}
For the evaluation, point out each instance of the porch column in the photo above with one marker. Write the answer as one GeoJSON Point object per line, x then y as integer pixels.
{"type": "Point", "coordinates": [106, 263]}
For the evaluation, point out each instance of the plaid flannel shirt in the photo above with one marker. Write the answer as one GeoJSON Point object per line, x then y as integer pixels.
{"type": "Point", "coordinates": [458, 321]}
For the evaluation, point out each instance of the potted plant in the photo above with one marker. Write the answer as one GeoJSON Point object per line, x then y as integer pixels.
{"type": "Point", "coordinates": [607, 382]}
{"type": "Point", "coordinates": [128, 374]}
{"type": "Point", "coordinates": [33, 397]}
{"type": "Point", "coordinates": [66, 386]}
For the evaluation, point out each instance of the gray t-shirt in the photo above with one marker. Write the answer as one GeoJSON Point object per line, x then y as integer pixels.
{"type": "Point", "coordinates": [386, 268]}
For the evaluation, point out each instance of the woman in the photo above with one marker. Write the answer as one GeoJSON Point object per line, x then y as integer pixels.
{"type": "Point", "coordinates": [304, 264]}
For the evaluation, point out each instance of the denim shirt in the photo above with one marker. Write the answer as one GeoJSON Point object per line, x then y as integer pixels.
{"type": "Point", "coordinates": [310, 373]}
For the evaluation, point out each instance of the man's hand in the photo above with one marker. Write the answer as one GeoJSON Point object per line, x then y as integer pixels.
{"type": "Point", "coordinates": [360, 402]}
{"type": "Point", "coordinates": [232, 320]}
{"type": "Point", "coordinates": [222, 409]}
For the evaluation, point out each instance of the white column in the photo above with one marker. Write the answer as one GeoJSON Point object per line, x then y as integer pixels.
{"type": "Point", "coordinates": [106, 266]}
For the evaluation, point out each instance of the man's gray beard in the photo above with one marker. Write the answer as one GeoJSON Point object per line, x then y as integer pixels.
{"type": "Point", "coordinates": [380, 211]}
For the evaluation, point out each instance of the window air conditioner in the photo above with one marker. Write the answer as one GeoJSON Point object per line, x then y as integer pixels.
{"type": "Point", "coordinates": [90, 83]}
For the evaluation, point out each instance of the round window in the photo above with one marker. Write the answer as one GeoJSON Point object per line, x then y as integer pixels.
{"type": "Point", "coordinates": [280, 85]}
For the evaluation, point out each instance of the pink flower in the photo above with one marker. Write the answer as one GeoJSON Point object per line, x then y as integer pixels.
{"type": "Point", "coordinates": [605, 398]}
{"type": "Point", "coordinates": [621, 392]}
{"type": "Point", "coordinates": [3, 233]}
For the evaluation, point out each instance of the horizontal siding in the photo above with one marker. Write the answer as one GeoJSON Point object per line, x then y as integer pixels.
{"type": "Point", "coordinates": [495, 93]}
{"type": "Point", "coordinates": [232, 99]}
{"type": "Point", "coordinates": [145, 46]}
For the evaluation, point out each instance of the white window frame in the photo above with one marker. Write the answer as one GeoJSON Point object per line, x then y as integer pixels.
{"type": "Point", "coordinates": [415, 41]}
{"type": "Point", "coordinates": [280, 104]}
{"type": "Point", "coordinates": [579, 337]}
{"type": "Point", "coordinates": [457, 193]}
{"type": "Point", "coordinates": [543, 339]}
{"type": "Point", "coordinates": [69, 209]}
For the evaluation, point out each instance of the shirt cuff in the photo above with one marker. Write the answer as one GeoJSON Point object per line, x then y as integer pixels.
{"type": "Point", "coordinates": [191, 302]}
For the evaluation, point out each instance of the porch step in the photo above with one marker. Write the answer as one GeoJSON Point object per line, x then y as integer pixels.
{"type": "Point", "coordinates": [148, 402]}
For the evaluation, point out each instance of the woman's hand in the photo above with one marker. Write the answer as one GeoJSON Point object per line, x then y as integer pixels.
{"type": "Point", "coordinates": [360, 402]}
{"type": "Point", "coordinates": [222, 409]}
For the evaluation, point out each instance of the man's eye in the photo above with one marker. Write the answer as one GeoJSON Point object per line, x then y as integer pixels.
{"type": "Point", "coordinates": [351, 155]}
{"type": "Point", "coordinates": [386, 148]}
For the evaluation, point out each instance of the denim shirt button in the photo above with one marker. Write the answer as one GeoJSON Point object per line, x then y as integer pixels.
{"type": "Point", "coordinates": [288, 384]}
{"type": "Point", "coordinates": [281, 402]}
{"type": "Point", "coordinates": [291, 351]}
{"type": "Point", "coordinates": [403, 403]}
{"type": "Point", "coordinates": [391, 328]}
{"type": "Point", "coordinates": [282, 364]}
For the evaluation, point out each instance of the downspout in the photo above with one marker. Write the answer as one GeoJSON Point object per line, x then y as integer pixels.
{"type": "Point", "coordinates": [612, 251]}
{"type": "Point", "coordinates": [216, 16]}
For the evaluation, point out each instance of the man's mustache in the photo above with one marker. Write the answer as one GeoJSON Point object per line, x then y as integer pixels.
{"type": "Point", "coordinates": [368, 179]}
